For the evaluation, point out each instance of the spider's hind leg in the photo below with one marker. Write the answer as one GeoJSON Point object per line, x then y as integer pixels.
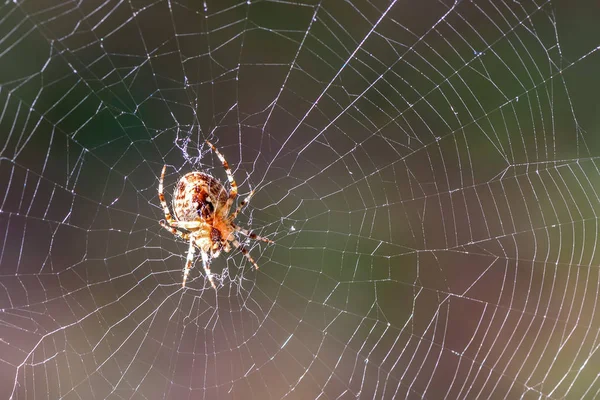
{"type": "Point", "coordinates": [251, 235]}
{"type": "Point", "coordinates": [245, 252]}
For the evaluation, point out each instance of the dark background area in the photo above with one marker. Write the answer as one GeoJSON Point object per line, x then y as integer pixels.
{"type": "Point", "coordinates": [428, 171]}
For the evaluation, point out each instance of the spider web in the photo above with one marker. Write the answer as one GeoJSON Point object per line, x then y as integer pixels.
{"type": "Point", "coordinates": [428, 171]}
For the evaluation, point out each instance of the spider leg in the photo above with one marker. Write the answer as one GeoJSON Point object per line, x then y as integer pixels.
{"type": "Point", "coordinates": [183, 235]}
{"type": "Point", "coordinates": [189, 225]}
{"type": "Point", "coordinates": [251, 235]}
{"type": "Point", "coordinates": [245, 252]}
{"type": "Point", "coordinates": [206, 265]}
{"type": "Point", "coordinates": [190, 259]}
{"type": "Point", "coordinates": [190, 256]}
{"type": "Point", "coordinates": [233, 193]}
{"type": "Point", "coordinates": [241, 206]}
{"type": "Point", "coordinates": [161, 197]}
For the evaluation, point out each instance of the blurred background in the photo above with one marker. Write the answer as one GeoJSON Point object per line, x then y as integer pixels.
{"type": "Point", "coordinates": [428, 172]}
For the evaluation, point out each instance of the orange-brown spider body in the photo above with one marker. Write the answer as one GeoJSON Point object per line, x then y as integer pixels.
{"type": "Point", "coordinates": [201, 207]}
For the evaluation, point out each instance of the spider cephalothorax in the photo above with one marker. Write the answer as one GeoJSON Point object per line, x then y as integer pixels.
{"type": "Point", "coordinates": [201, 207]}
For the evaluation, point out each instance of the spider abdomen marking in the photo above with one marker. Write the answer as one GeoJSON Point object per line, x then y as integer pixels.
{"type": "Point", "coordinates": [199, 196]}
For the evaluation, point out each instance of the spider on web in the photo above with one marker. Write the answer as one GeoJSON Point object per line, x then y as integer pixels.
{"type": "Point", "coordinates": [201, 216]}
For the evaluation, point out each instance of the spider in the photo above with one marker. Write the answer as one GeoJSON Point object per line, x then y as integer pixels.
{"type": "Point", "coordinates": [201, 216]}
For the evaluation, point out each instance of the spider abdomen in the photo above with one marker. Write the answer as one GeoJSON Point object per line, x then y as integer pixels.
{"type": "Point", "coordinates": [198, 196]}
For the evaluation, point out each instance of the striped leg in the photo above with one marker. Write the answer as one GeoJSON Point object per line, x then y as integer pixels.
{"type": "Point", "coordinates": [183, 235]}
{"type": "Point", "coordinates": [243, 204]}
{"type": "Point", "coordinates": [206, 265]}
{"type": "Point", "coordinates": [233, 192]}
{"type": "Point", "coordinates": [190, 260]}
{"type": "Point", "coordinates": [189, 225]}
{"type": "Point", "coordinates": [161, 197]}
{"type": "Point", "coordinates": [245, 252]}
{"type": "Point", "coordinates": [251, 235]}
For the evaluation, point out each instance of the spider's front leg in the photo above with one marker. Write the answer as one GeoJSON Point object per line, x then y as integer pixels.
{"type": "Point", "coordinates": [193, 237]}
{"type": "Point", "coordinates": [190, 260]}
{"type": "Point", "coordinates": [206, 265]}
